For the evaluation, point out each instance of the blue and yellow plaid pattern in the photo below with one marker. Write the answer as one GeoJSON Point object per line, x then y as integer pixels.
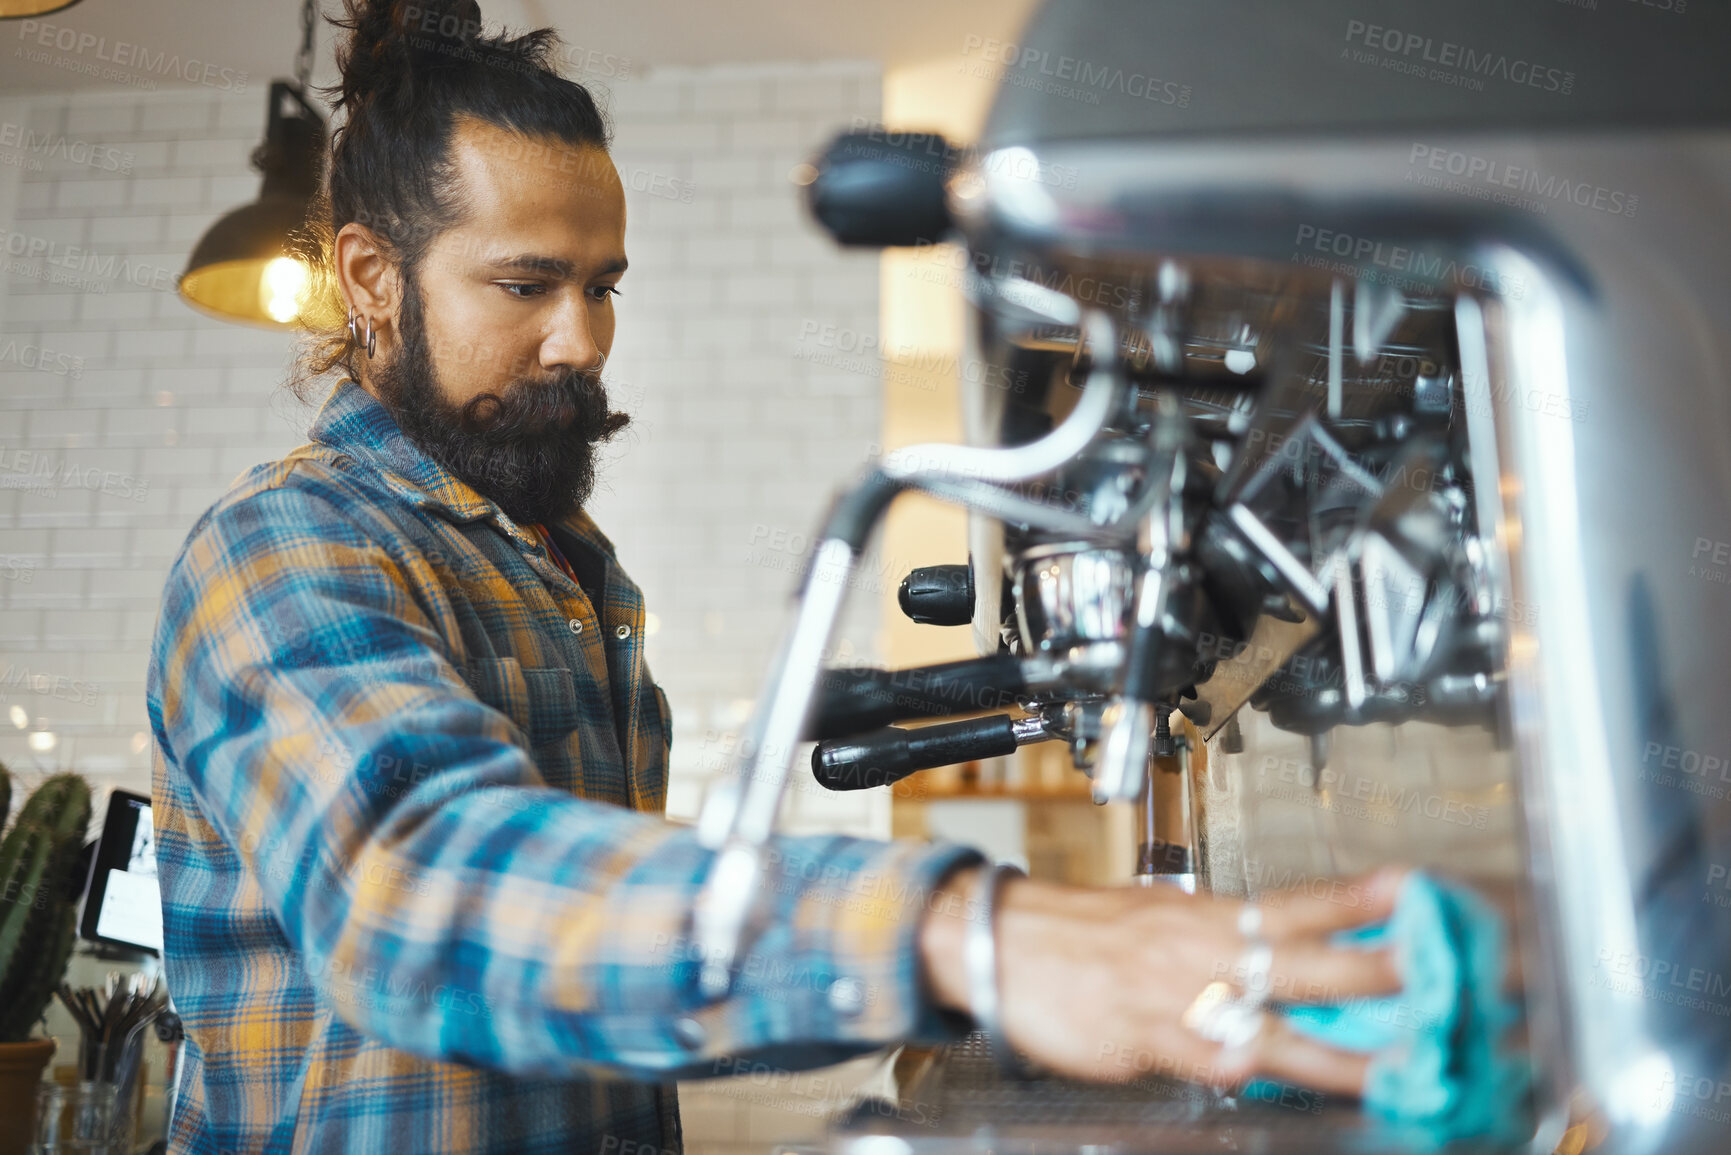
{"type": "Point", "coordinates": [417, 892]}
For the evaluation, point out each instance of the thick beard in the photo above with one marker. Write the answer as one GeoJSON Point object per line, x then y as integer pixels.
{"type": "Point", "coordinates": [531, 451]}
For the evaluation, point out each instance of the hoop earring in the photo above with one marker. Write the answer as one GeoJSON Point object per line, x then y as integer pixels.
{"type": "Point", "coordinates": [372, 339]}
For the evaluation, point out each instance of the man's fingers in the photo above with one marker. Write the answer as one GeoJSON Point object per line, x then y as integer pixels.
{"type": "Point", "coordinates": [1284, 1054]}
{"type": "Point", "coordinates": [1330, 904]}
{"type": "Point", "coordinates": [1311, 971]}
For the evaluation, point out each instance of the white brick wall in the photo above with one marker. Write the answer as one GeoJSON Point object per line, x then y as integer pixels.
{"type": "Point", "coordinates": [141, 411]}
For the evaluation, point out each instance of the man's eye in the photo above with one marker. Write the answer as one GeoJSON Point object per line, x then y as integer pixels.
{"type": "Point", "coordinates": [529, 288]}
{"type": "Point", "coordinates": [603, 290]}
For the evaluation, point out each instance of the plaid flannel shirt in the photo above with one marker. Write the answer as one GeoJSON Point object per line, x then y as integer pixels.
{"type": "Point", "coordinates": [417, 893]}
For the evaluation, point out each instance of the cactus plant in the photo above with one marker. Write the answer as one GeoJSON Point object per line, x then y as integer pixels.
{"type": "Point", "coordinates": [38, 902]}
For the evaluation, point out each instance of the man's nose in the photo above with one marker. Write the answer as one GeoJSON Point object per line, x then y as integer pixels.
{"type": "Point", "coordinates": [569, 342]}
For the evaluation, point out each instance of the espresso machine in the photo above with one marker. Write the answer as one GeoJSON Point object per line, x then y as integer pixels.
{"type": "Point", "coordinates": [1357, 490]}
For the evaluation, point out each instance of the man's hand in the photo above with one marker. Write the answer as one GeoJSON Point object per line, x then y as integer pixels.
{"type": "Point", "coordinates": [1094, 982]}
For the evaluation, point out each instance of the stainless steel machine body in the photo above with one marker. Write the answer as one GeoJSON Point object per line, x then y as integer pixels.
{"type": "Point", "coordinates": [1370, 414]}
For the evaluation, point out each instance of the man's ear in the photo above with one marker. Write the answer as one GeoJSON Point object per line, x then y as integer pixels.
{"type": "Point", "coordinates": [367, 277]}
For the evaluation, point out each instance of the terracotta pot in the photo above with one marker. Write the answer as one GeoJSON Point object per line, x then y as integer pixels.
{"type": "Point", "coordinates": [20, 1070]}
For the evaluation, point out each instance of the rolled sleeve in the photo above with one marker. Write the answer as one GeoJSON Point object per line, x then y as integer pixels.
{"type": "Point", "coordinates": [832, 972]}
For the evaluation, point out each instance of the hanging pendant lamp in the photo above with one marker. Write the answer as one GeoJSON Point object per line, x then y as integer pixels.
{"type": "Point", "coordinates": [250, 266]}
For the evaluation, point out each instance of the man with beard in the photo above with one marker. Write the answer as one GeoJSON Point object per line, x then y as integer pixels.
{"type": "Point", "coordinates": [409, 764]}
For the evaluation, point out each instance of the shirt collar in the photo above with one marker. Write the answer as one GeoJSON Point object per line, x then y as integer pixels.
{"type": "Point", "coordinates": [354, 422]}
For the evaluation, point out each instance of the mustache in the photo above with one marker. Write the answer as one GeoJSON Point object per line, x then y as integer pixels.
{"type": "Point", "coordinates": [528, 409]}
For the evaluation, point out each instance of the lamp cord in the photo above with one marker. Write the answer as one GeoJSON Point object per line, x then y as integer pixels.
{"type": "Point", "coordinates": [304, 57]}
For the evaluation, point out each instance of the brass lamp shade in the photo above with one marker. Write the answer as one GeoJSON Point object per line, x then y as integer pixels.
{"type": "Point", "coordinates": [20, 9]}
{"type": "Point", "coordinates": [242, 269]}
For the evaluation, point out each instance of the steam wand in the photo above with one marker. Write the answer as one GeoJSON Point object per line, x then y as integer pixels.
{"type": "Point", "coordinates": [738, 818]}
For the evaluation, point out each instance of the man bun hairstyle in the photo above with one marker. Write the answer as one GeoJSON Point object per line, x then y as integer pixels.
{"type": "Point", "coordinates": [410, 69]}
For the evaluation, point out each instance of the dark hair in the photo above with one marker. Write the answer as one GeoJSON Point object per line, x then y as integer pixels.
{"type": "Point", "coordinates": [409, 69]}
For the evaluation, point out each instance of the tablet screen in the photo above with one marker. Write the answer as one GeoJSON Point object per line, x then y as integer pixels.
{"type": "Point", "coordinates": [124, 903]}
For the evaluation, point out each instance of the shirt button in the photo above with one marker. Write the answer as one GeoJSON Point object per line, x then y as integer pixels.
{"type": "Point", "coordinates": [576, 625]}
{"type": "Point", "coordinates": [690, 1033]}
{"type": "Point", "coordinates": [623, 632]}
{"type": "Point", "coordinates": [847, 996]}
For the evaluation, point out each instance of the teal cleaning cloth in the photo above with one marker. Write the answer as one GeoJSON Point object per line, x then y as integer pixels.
{"type": "Point", "coordinates": [1440, 1070]}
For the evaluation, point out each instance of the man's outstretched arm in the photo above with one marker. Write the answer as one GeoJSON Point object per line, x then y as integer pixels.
{"type": "Point", "coordinates": [406, 844]}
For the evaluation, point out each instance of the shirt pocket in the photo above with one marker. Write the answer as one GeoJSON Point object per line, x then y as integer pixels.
{"type": "Point", "coordinates": [540, 700]}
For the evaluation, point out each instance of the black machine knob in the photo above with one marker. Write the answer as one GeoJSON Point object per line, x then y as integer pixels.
{"type": "Point", "coordinates": [939, 595]}
{"type": "Point", "coordinates": [886, 756]}
{"type": "Point", "coordinates": [878, 188]}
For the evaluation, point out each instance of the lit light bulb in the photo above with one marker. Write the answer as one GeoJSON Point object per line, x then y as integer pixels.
{"type": "Point", "coordinates": [19, 718]}
{"type": "Point", "coordinates": [42, 741]}
{"type": "Point", "coordinates": [283, 288]}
